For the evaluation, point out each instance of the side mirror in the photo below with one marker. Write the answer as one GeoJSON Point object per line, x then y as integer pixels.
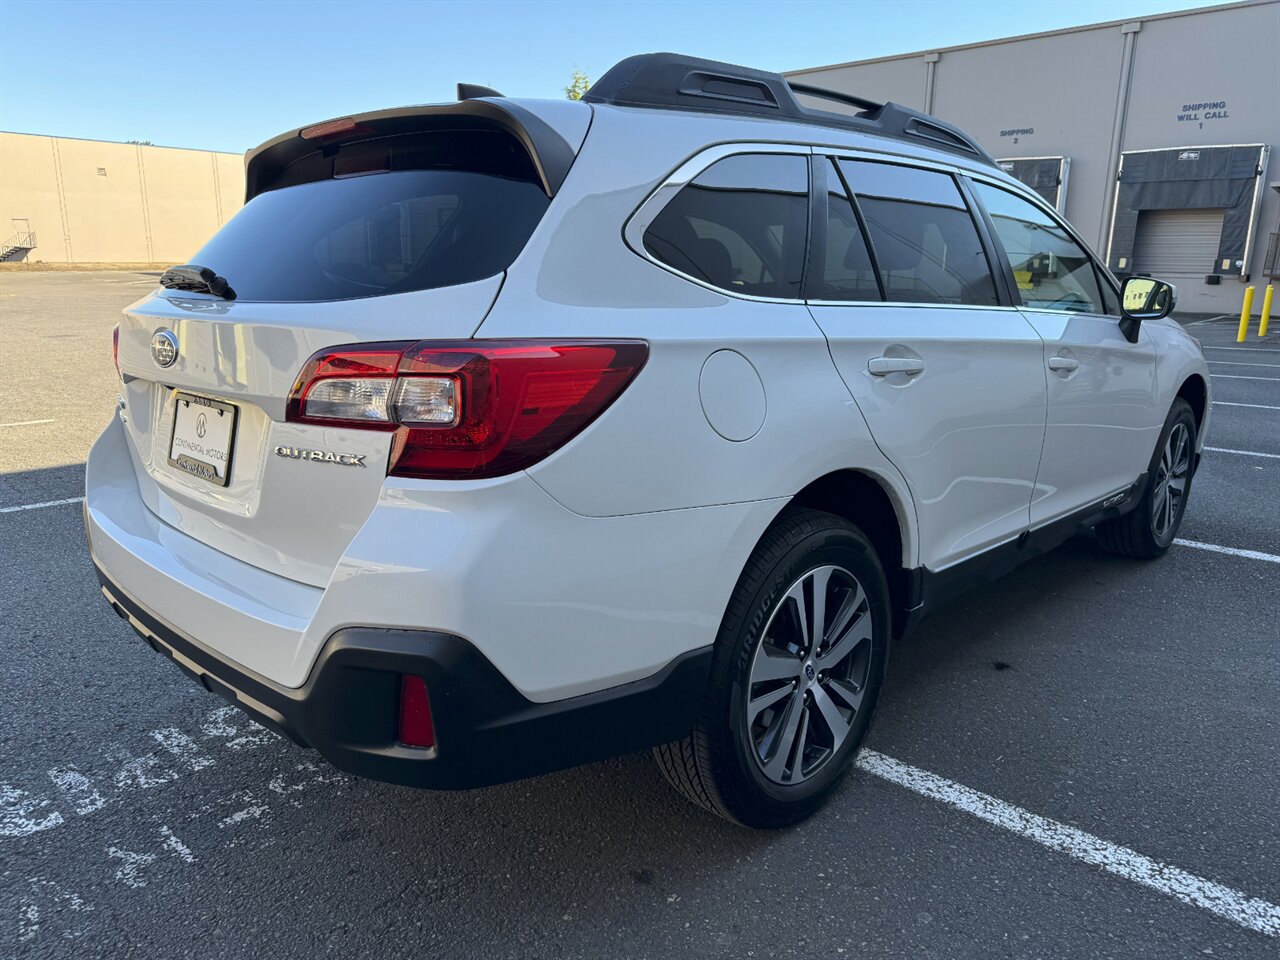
{"type": "Point", "coordinates": [1144, 298]}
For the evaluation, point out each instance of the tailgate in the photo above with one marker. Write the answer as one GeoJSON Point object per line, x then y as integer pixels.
{"type": "Point", "coordinates": [294, 494]}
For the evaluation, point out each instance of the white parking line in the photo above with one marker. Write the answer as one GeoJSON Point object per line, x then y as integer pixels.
{"type": "Point", "coordinates": [1244, 363]}
{"type": "Point", "coordinates": [26, 423]}
{"type": "Point", "coordinates": [1255, 406]}
{"type": "Point", "coordinates": [1230, 551]}
{"type": "Point", "coordinates": [1214, 346]}
{"type": "Point", "coordinates": [41, 506]}
{"type": "Point", "coordinates": [1239, 376]}
{"type": "Point", "coordinates": [1245, 453]}
{"type": "Point", "coordinates": [1249, 912]}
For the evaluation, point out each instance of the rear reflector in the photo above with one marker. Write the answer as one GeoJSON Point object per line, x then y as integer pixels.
{"type": "Point", "coordinates": [416, 726]}
{"type": "Point", "coordinates": [466, 408]}
{"type": "Point", "coordinates": [115, 348]}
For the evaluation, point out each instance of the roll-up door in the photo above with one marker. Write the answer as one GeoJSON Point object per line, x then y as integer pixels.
{"type": "Point", "coordinates": [1225, 180]}
{"type": "Point", "coordinates": [1177, 243]}
{"type": "Point", "coordinates": [1047, 176]}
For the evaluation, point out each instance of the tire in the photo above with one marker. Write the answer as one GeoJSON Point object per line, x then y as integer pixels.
{"type": "Point", "coordinates": [734, 766]}
{"type": "Point", "coordinates": [1149, 529]}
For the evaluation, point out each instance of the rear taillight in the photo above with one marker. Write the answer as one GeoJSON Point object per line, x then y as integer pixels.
{"type": "Point", "coordinates": [115, 348]}
{"type": "Point", "coordinates": [466, 408]}
{"type": "Point", "coordinates": [417, 728]}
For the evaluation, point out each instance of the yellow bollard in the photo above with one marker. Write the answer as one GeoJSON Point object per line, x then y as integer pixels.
{"type": "Point", "coordinates": [1266, 310]}
{"type": "Point", "coordinates": [1244, 315]}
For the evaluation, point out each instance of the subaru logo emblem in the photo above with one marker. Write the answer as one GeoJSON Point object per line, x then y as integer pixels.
{"type": "Point", "coordinates": [164, 347]}
{"type": "Point", "coordinates": [809, 672]}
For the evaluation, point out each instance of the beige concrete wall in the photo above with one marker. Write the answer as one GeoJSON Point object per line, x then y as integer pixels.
{"type": "Point", "coordinates": [1066, 93]}
{"type": "Point", "coordinates": [1032, 99]}
{"type": "Point", "coordinates": [901, 80]}
{"type": "Point", "coordinates": [93, 201]}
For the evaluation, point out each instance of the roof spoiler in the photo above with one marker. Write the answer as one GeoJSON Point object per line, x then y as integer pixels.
{"type": "Point", "coordinates": [675, 82]}
{"type": "Point", "coordinates": [266, 166]}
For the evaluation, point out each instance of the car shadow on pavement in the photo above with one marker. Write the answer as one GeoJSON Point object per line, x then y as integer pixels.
{"type": "Point", "coordinates": [23, 487]}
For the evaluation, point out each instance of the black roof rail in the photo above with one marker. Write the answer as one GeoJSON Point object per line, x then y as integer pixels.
{"type": "Point", "coordinates": [675, 82]}
{"type": "Point", "coordinates": [824, 94]}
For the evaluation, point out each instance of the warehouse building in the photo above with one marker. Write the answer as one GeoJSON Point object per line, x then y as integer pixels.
{"type": "Point", "coordinates": [64, 200]}
{"type": "Point", "coordinates": [1152, 136]}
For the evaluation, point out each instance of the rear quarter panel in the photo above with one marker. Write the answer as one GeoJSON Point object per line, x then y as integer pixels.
{"type": "Point", "coordinates": [655, 449]}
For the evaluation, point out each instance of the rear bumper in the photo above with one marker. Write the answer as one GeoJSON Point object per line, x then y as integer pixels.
{"type": "Point", "coordinates": [486, 731]}
{"type": "Point", "coordinates": [562, 605]}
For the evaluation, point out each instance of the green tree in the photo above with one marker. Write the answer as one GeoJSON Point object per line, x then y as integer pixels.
{"type": "Point", "coordinates": [577, 86]}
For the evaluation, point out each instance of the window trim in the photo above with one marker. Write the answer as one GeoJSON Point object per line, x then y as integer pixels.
{"type": "Point", "coordinates": [642, 218]}
{"type": "Point", "coordinates": [1021, 190]}
{"type": "Point", "coordinates": [1006, 281]}
{"type": "Point", "coordinates": [821, 211]}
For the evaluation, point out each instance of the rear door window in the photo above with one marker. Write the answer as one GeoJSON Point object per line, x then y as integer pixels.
{"type": "Point", "coordinates": [926, 243]}
{"type": "Point", "coordinates": [464, 215]}
{"type": "Point", "coordinates": [1052, 271]}
{"type": "Point", "coordinates": [842, 269]}
{"type": "Point", "coordinates": [740, 225]}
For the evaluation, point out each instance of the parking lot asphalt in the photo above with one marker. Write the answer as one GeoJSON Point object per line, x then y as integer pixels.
{"type": "Point", "coordinates": [1134, 703]}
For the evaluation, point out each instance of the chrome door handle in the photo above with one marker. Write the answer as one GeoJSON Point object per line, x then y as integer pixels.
{"type": "Point", "coordinates": [1064, 364]}
{"type": "Point", "coordinates": [883, 366]}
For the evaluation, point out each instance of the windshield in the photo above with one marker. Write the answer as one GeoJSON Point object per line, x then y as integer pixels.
{"type": "Point", "coordinates": [375, 234]}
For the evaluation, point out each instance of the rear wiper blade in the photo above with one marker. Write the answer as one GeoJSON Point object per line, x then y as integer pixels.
{"type": "Point", "coordinates": [193, 277]}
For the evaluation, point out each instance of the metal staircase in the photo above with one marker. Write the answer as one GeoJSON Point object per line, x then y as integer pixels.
{"type": "Point", "coordinates": [17, 246]}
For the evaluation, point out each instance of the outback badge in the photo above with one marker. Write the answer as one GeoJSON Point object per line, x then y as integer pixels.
{"type": "Point", "coordinates": [323, 456]}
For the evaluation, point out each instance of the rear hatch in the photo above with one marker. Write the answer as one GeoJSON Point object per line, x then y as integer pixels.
{"type": "Point", "coordinates": [378, 237]}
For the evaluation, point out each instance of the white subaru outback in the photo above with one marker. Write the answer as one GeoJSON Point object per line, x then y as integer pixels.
{"type": "Point", "coordinates": [499, 436]}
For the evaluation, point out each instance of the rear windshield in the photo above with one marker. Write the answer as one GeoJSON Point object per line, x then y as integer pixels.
{"type": "Point", "coordinates": [376, 233]}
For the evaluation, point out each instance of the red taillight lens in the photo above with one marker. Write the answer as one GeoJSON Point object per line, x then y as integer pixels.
{"type": "Point", "coordinates": [417, 729]}
{"type": "Point", "coordinates": [115, 347]}
{"type": "Point", "coordinates": [468, 408]}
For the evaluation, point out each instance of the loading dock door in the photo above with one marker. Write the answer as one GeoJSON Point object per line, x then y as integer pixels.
{"type": "Point", "coordinates": [1224, 179]}
{"type": "Point", "coordinates": [1047, 176]}
{"type": "Point", "coordinates": [1177, 245]}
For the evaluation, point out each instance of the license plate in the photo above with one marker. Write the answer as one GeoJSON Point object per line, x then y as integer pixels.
{"type": "Point", "coordinates": [203, 433]}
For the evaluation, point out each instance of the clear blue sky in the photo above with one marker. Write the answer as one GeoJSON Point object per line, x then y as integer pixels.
{"type": "Point", "coordinates": [226, 75]}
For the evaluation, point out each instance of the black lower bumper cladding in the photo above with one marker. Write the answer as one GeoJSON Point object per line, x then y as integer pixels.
{"type": "Point", "coordinates": [487, 732]}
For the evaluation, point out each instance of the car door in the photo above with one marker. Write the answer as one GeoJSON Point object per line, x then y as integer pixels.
{"type": "Point", "coordinates": [1103, 419]}
{"type": "Point", "coordinates": [949, 379]}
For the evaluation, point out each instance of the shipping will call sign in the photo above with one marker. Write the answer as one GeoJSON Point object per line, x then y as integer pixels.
{"type": "Point", "coordinates": [1198, 113]}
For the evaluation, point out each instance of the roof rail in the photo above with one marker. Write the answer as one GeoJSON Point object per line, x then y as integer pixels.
{"type": "Point", "coordinates": [675, 82]}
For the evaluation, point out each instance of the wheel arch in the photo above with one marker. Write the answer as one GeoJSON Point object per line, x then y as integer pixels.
{"type": "Point", "coordinates": [1195, 391]}
{"type": "Point", "coordinates": [874, 506]}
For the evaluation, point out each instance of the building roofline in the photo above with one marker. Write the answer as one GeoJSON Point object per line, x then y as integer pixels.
{"type": "Point", "coordinates": [119, 143]}
{"type": "Point", "coordinates": [804, 71]}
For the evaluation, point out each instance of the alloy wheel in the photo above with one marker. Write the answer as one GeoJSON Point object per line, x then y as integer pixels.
{"type": "Point", "coordinates": [1171, 480]}
{"type": "Point", "coordinates": [809, 674]}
